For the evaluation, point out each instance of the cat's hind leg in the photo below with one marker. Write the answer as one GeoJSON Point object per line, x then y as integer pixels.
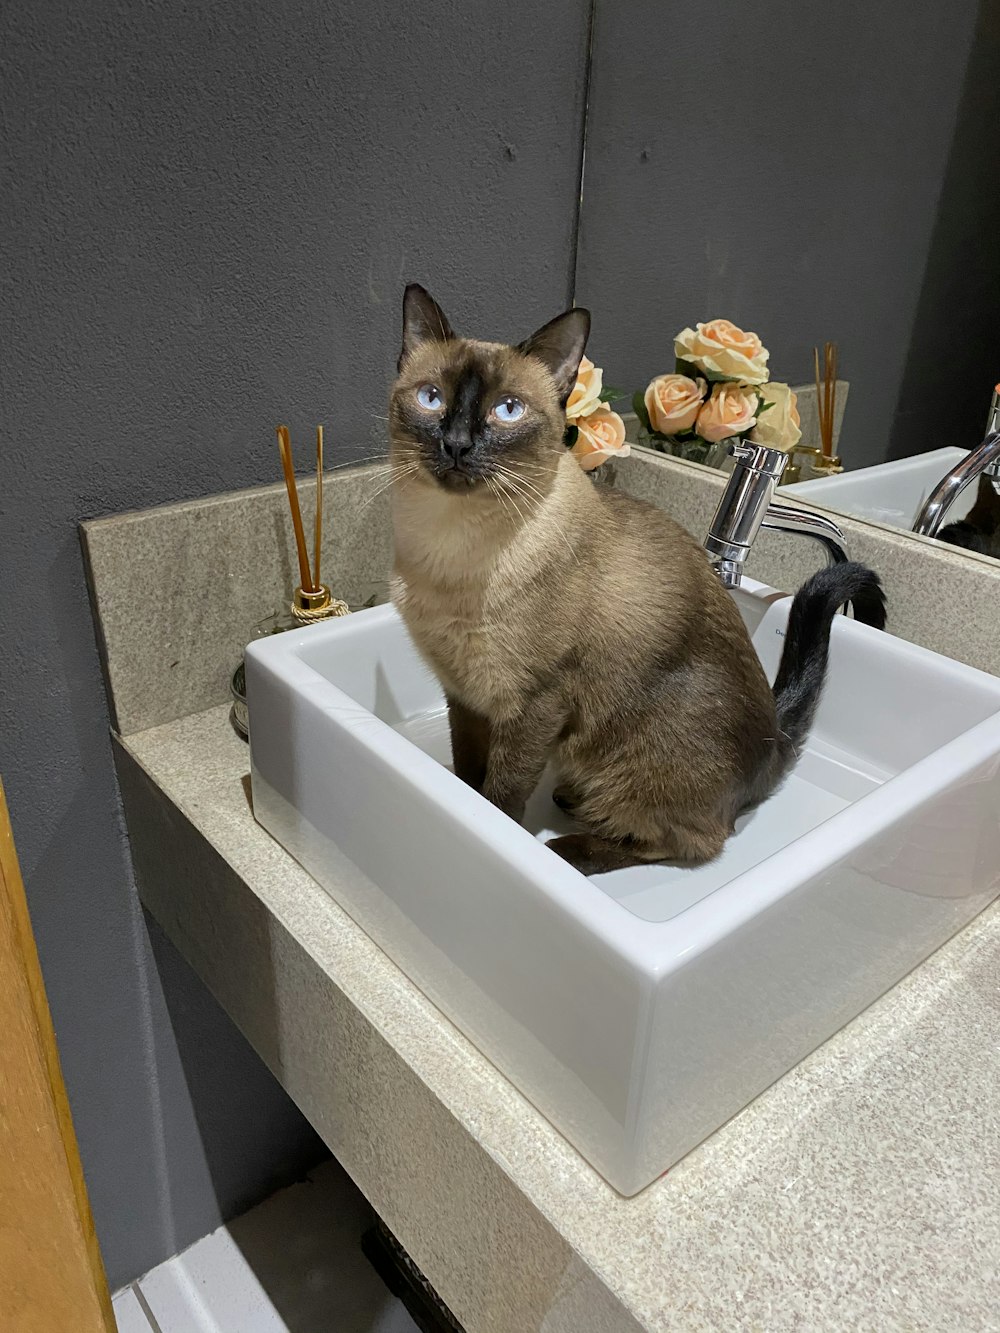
{"type": "Point", "coordinates": [592, 854]}
{"type": "Point", "coordinates": [566, 797]}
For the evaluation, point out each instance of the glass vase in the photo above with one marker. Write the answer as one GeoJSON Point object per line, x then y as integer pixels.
{"type": "Point", "coordinates": [695, 450]}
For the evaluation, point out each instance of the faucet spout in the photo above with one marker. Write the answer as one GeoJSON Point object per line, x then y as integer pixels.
{"type": "Point", "coordinates": [984, 459]}
{"type": "Point", "coordinates": [787, 518]}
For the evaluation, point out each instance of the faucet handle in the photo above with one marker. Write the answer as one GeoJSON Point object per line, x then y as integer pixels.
{"type": "Point", "coordinates": [759, 458]}
{"type": "Point", "coordinates": [742, 506]}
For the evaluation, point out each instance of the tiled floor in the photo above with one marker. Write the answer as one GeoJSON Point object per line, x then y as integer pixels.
{"type": "Point", "coordinates": [293, 1264]}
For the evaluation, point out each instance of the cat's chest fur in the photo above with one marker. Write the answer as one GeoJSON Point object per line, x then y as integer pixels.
{"type": "Point", "coordinates": [477, 643]}
{"type": "Point", "coordinates": [468, 599]}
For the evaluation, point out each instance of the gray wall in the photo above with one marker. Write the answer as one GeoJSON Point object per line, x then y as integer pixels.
{"type": "Point", "coordinates": [210, 212]}
{"type": "Point", "coordinates": [782, 164]}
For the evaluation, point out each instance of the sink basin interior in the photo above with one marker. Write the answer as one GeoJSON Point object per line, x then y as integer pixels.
{"type": "Point", "coordinates": [824, 782]}
{"type": "Point", "coordinates": [852, 750]}
{"type": "Point", "coordinates": [889, 493]}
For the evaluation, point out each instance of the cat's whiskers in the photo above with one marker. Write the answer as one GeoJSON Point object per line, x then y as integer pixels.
{"type": "Point", "coordinates": [514, 480]}
{"type": "Point", "coordinates": [493, 484]}
{"type": "Point", "coordinates": [558, 529]}
{"type": "Point", "coordinates": [519, 476]}
{"type": "Point", "coordinates": [397, 474]}
{"type": "Point", "coordinates": [511, 493]}
{"type": "Point", "coordinates": [524, 485]}
{"type": "Point", "coordinates": [378, 471]}
{"type": "Point", "coordinates": [513, 490]}
{"type": "Point", "coordinates": [356, 462]}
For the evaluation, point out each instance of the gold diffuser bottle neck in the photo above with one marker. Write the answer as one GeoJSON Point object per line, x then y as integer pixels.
{"type": "Point", "coordinates": [311, 601]}
{"type": "Point", "coordinates": [308, 607]}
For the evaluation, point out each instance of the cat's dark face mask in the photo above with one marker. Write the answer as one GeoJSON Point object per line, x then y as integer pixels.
{"type": "Point", "coordinates": [475, 415]}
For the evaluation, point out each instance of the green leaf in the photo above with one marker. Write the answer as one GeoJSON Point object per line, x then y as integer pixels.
{"type": "Point", "coordinates": [762, 406]}
{"type": "Point", "coordinates": [610, 395]}
{"type": "Point", "coordinates": [688, 368]}
{"type": "Point", "coordinates": [639, 408]}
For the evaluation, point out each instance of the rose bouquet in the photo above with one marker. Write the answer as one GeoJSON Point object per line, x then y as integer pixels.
{"type": "Point", "coordinates": [593, 431]}
{"type": "Point", "coordinates": [720, 390]}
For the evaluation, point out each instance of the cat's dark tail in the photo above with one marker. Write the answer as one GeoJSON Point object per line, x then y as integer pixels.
{"type": "Point", "coordinates": [802, 672]}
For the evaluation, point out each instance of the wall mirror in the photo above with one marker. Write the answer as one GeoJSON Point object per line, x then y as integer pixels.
{"type": "Point", "coordinates": [815, 176]}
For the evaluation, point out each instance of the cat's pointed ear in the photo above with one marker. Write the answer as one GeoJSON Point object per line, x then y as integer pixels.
{"type": "Point", "coordinates": [559, 345]}
{"type": "Point", "coordinates": [423, 321]}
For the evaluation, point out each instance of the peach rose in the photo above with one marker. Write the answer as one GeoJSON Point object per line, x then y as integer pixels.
{"type": "Point", "coordinates": [778, 426]}
{"type": "Point", "coordinates": [586, 395]}
{"type": "Point", "coordinates": [723, 352]}
{"type": "Point", "coordinates": [672, 402]}
{"type": "Point", "coordinates": [731, 410]}
{"type": "Point", "coordinates": [601, 436]}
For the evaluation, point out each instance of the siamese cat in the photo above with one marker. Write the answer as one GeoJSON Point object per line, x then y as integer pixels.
{"type": "Point", "coordinates": [569, 623]}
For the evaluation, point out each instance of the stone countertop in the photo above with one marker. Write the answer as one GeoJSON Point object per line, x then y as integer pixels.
{"type": "Point", "coordinates": [860, 1191]}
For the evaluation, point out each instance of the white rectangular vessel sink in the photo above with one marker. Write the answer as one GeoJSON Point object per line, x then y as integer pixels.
{"type": "Point", "coordinates": [889, 493]}
{"type": "Point", "coordinates": [638, 1010]}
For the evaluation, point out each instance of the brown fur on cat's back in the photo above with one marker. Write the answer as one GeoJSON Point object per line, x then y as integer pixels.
{"type": "Point", "coordinates": [568, 622]}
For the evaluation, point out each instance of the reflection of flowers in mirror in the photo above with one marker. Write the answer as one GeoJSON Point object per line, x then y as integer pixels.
{"type": "Point", "coordinates": [723, 352]}
{"type": "Point", "coordinates": [719, 390]}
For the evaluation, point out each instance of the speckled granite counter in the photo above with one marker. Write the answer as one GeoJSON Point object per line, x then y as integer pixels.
{"type": "Point", "coordinates": [862, 1191]}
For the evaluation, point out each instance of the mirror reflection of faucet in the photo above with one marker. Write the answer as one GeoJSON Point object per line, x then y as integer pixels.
{"type": "Point", "coordinates": [982, 462]}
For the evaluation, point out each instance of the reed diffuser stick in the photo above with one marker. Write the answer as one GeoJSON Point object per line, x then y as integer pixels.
{"type": "Point", "coordinates": [319, 506]}
{"type": "Point", "coordinates": [285, 448]}
{"type": "Point", "coordinates": [826, 395]}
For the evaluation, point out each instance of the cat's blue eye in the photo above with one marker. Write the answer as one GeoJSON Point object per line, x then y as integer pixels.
{"type": "Point", "coordinates": [429, 396]}
{"type": "Point", "coordinates": [509, 409]}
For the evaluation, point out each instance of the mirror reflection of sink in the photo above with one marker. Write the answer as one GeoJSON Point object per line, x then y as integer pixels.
{"type": "Point", "coordinates": [641, 1009]}
{"type": "Point", "coordinates": [889, 493]}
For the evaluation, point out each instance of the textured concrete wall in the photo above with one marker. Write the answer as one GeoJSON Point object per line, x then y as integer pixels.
{"type": "Point", "coordinates": [784, 165]}
{"type": "Point", "coordinates": [210, 212]}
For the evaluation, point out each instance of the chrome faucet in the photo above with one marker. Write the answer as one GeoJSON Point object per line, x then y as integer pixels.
{"type": "Point", "coordinates": [985, 459]}
{"type": "Point", "coordinates": [747, 506]}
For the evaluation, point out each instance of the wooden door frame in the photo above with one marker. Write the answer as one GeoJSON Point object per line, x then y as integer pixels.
{"type": "Point", "coordinates": [51, 1274]}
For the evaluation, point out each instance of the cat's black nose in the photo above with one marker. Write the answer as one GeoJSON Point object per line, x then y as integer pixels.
{"type": "Point", "coordinates": [455, 447]}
